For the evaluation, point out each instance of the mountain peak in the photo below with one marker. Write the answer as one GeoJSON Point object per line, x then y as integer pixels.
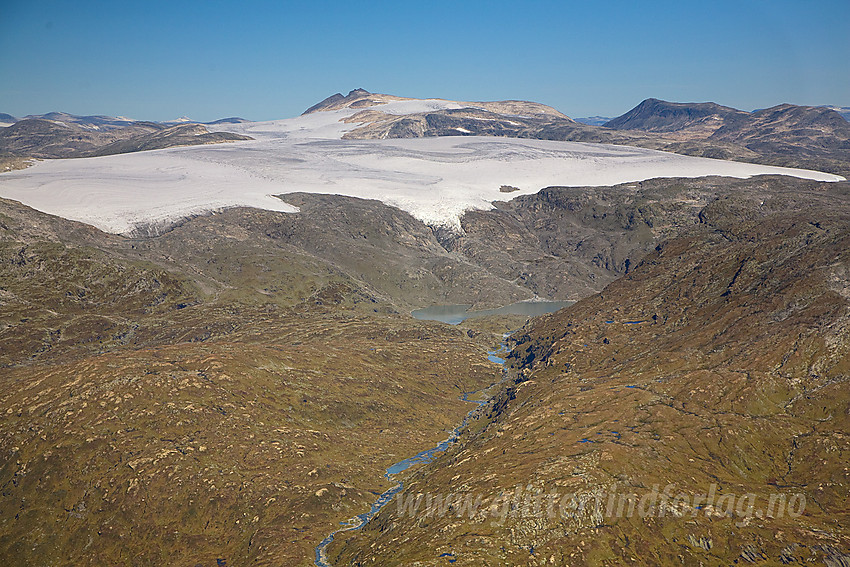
{"type": "Point", "coordinates": [362, 97]}
{"type": "Point", "coordinates": [655, 115]}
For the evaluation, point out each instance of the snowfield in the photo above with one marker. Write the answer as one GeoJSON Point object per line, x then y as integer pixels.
{"type": "Point", "coordinates": [434, 179]}
{"type": "Point", "coordinates": [403, 107]}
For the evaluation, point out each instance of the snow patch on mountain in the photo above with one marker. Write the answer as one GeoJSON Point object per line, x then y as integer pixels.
{"type": "Point", "coordinates": [404, 107]}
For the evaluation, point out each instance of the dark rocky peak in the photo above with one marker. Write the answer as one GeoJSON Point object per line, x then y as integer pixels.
{"type": "Point", "coordinates": [336, 99]}
{"type": "Point", "coordinates": [656, 115]}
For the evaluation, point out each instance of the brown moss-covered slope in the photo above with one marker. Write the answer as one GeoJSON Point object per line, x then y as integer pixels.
{"type": "Point", "coordinates": [247, 449]}
{"type": "Point", "coordinates": [722, 360]}
{"type": "Point", "coordinates": [230, 390]}
{"type": "Point", "coordinates": [156, 410]}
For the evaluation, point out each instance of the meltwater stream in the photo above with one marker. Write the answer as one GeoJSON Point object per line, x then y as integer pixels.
{"type": "Point", "coordinates": [422, 457]}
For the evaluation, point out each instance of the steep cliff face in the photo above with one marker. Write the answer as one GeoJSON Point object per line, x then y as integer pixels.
{"type": "Point", "coordinates": [717, 370]}
{"type": "Point", "coordinates": [570, 242]}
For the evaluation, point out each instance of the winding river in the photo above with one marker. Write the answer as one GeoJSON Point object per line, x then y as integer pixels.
{"type": "Point", "coordinates": [423, 457]}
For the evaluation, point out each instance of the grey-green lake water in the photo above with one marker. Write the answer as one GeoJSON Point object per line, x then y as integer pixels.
{"type": "Point", "coordinates": [455, 314]}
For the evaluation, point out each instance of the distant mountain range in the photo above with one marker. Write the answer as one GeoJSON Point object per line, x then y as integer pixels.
{"type": "Point", "coordinates": [96, 122]}
{"type": "Point", "coordinates": [42, 138]}
{"type": "Point", "coordinates": [63, 135]}
{"type": "Point", "coordinates": [785, 135]}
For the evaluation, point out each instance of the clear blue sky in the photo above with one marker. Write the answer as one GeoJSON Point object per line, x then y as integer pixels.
{"type": "Point", "coordinates": [263, 60]}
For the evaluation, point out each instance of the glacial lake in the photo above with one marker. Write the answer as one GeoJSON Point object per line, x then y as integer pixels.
{"type": "Point", "coordinates": [455, 314]}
